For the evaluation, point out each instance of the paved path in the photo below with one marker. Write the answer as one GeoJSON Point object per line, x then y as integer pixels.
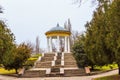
{"type": "Point", "coordinates": [6, 77]}
{"type": "Point", "coordinates": [62, 78]}
{"type": "Point", "coordinates": [106, 74]}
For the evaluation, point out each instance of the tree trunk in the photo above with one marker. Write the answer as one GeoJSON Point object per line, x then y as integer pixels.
{"type": "Point", "coordinates": [92, 67]}
{"type": "Point", "coordinates": [119, 69]}
{"type": "Point", "coordinates": [16, 71]}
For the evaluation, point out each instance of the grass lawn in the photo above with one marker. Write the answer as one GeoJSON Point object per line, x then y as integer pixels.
{"type": "Point", "coordinates": [106, 67]}
{"type": "Point", "coordinates": [113, 77]}
{"type": "Point", "coordinates": [3, 71]}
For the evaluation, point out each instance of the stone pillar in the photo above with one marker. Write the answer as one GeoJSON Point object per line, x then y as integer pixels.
{"type": "Point", "coordinates": [50, 44]}
{"type": "Point", "coordinates": [68, 44]}
{"type": "Point", "coordinates": [58, 43]}
{"type": "Point", "coordinates": [65, 46]}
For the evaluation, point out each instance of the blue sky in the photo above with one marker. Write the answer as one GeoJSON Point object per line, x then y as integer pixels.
{"type": "Point", "coordinates": [30, 18]}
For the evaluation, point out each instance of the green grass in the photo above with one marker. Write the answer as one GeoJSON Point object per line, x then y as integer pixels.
{"type": "Point", "coordinates": [32, 59]}
{"type": "Point", "coordinates": [4, 71]}
{"type": "Point", "coordinates": [36, 55]}
{"type": "Point", "coordinates": [30, 62]}
{"type": "Point", "coordinates": [106, 67]}
{"type": "Point", "coordinates": [113, 77]}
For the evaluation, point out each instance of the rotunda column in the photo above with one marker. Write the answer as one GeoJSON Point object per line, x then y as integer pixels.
{"type": "Point", "coordinates": [58, 43]}
{"type": "Point", "coordinates": [65, 46]}
{"type": "Point", "coordinates": [68, 44]}
{"type": "Point", "coordinates": [50, 44]}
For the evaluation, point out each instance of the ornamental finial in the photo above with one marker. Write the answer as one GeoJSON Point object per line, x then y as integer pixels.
{"type": "Point", "coordinates": [57, 24]}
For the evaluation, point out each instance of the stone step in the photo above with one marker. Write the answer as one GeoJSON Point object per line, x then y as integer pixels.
{"type": "Point", "coordinates": [43, 64]}
{"type": "Point", "coordinates": [58, 62]}
{"type": "Point", "coordinates": [58, 57]}
{"type": "Point", "coordinates": [58, 66]}
{"type": "Point", "coordinates": [49, 55]}
{"type": "Point", "coordinates": [55, 69]}
{"type": "Point", "coordinates": [74, 72]}
{"type": "Point", "coordinates": [52, 74]}
{"type": "Point", "coordinates": [69, 54]}
{"type": "Point", "coordinates": [44, 59]}
{"type": "Point", "coordinates": [70, 59]}
{"type": "Point", "coordinates": [70, 64]}
{"type": "Point", "coordinates": [34, 73]}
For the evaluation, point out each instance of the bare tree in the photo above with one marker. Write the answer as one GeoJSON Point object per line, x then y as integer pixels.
{"type": "Point", "coordinates": [68, 26]}
{"type": "Point", "coordinates": [30, 45]}
{"type": "Point", "coordinates": [65, 25]}
{"type": "Point", "coordinates": [74, 36]}
{"type": "Point", "coordinates": [1, 10]}
{"type": "Point", "coordinates": [37, 45]}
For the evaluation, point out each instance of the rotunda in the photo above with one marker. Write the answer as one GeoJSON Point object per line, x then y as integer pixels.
{"type": "Point", "coordinates": [58, 33]}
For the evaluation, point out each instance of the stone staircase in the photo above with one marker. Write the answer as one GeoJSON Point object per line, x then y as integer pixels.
{"type": "Point", "coordinates": [55, 70]}
{"type": "Point", "coordinates": [55, 64]}
{"type": "Point", "coordinates": [69, 61]}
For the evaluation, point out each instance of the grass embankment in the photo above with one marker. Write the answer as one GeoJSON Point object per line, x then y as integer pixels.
{"type": "Point", "coordinates": [106, 67]}
{"type": "Point", "coordinates": [113, 77]}
{"type": "Point", "coordinates": [32, 59]}
{"type": "Point", "coordinates": [4, 71]}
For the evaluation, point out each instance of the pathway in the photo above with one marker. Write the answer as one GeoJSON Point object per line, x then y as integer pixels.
{"type": "Point", "coordinates": [62, 78]}
{"type": "Point", "coordinates": [7, 77]}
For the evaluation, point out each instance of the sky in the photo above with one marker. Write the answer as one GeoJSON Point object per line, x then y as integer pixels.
{"type": "Point", "coordinates": [28, 19]}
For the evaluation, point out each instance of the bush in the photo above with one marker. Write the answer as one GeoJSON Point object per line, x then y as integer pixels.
{"type": "Point", "coordinates": [0, 65]}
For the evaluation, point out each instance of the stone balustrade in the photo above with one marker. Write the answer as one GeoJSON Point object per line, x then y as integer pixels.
{"type": "Point", "coordinates": [61, 70]}
{"type": "Point", "coordinates": [53, 63]}
{"type": "Point", "coordinates": [55, 57]}
{"type": "Point", "coordinates": [62, 63]}
{"type": "Point", "coordinates": [42, 54]}
{"type": "Point", "coordinates": [48, 71]}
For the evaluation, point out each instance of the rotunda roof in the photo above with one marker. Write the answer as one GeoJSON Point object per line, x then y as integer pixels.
{"type": "Point", "coordinates": [57, 30]}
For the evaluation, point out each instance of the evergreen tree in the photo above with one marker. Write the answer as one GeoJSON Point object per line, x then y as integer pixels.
{"type": "Point", "coordinates": [113, 28]}
{"type": "Point", "coordinates": [102, 43]}
{"type": "Point", "coordinates": [17, 59]}
{"type": "Point", "coordinates": [6, 41]}
{"type": "Point", "coordinates": [79, 53]}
